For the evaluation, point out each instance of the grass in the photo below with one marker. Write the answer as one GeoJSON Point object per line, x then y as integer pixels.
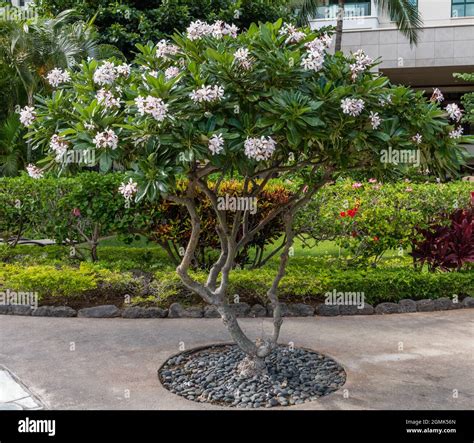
{"type": "Point", "coordinates": [147, 256]}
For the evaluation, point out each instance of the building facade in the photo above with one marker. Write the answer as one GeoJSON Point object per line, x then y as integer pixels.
{"type": "Point", "coordinates": [445, 46]}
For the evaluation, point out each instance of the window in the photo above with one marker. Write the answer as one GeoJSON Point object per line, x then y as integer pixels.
{"type": "Point", "coordinates": [353, 8]}
{"type": "Point", "coordinates": [414, 2]}
{"type": "Point", "coordinates": [462, 8]}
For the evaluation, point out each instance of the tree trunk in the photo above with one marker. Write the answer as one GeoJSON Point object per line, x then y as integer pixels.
{"type": "Point", "coordinates": [215, 293]}
{"type": "Point", "coordinates": [340, 24]}
{"type": "Point", "coordinates": [230, 321]}
{"type": "Point", "coordinates": [94, 255]}
{"type": "Point", "coordinates": [95, 243]}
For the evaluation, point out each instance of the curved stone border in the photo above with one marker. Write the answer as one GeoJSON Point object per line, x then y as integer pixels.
{"type": "Point", "coordinates": [176, 310]}
{"type": "Point", "coordinates": [214, 379]}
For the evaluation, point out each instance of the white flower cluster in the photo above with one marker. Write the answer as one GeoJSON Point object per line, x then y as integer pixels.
{"type": "Point", "coordinates": [437, 95]}
{"type": "Point", "coordinates": [352, 106]}
{"type": "Point", "coordinates": [34, 171]}
{"type": "Point", "coordinates": [107, 99]}
{"type": "Point", "coordinates": [454, 111]}
{"type": "Point", "coordinates": [27, 115]}
{"type": "Point", "coordinates": [153, 106]}
{"type": "Point", "coordinates": [165, 49]}
{"type": "Point", "coordinates": [362, 62]}
{"type": "Point", "coordinates": [216, 144]}
{"type": "Point", "coordinates": [260, 148]}
{"type": "Point", "coordinates": [128, 190]}
{"type": "Point", "coordinates": [170, 73]}
{"type": "Point", "coordinates": [456, 133]}
{"type": "Point", "coordinates": [242, 57]}
{"type": "Point", "coordinates": [90, 126]}
{"type": "Point", "coordinates": [106, 139]}
{"type": "Point", "coordinates": [59, 147]}
{"type": "Point", "coordinates": [123, 70]}
{"type": "Point", "coordinates": [292, 33]}
{"type": "Point", "coordinates": [417, 138]}
{"type": "Point", "coordinates": [207, 94]}
{"type": "Point", "coordinates": [384, 101]}
{"type": "Point", "coordinates": [314, 58]}
{"type": "Point", "coordinates": [57, 76]}
{"type": "Point", "coordinates": [375, 120]}
{"type": "Point", "coordinates": [219, 29]}
{"type": "Point", "coordinates": [107, 73]}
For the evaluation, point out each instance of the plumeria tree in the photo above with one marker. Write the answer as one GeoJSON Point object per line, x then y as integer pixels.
{"type": "Point", "coordinates": [214, 104]}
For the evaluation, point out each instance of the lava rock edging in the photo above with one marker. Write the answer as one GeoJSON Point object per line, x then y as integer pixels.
{"type": "Point", "coordinates": [242, 310]}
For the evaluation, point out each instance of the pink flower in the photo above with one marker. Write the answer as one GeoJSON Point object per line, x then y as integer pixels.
{"type": "Point", "coordinates": [34, 171]}
{"type": "Point", "coordinates": [128, 190]}
{"type": "Point", "coordinates": [356, 185]}
{"type": "Point", "coordinates": [454, 111]}
{"type": "Point", "coordinates": [418, 138]}
{"type": "Point", "coordinates": [372, 180]}
{"type": "Point", "coordinates": [409, 189]}
{"type": "Point", "coordinates": [437, 96]}
{"type": "Point", "coordinates": [58, 76]}
{"type": "Point", "coordinates": [260, 148]}
{"type": "Point", "coordinates": [76, 212]}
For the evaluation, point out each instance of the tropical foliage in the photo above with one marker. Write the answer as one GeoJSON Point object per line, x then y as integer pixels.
{"type": "Point", "coordinates": [215, 104]}
{"type": "Point", "coordinates": [29, 49]}
{"type": "Point", "coordinates": [126, 23]}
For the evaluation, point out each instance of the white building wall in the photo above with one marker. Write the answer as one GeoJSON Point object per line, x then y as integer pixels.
{"type": "Point", "coordinates": [444, 41]}
{"type": "Point", "coordinates": [433, 12]}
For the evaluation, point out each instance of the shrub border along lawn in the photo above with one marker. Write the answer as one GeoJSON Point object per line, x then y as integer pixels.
{"type": "Point", "coordinates": [161, 293]}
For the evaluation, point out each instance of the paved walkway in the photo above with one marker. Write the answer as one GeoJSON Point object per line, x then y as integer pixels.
{"type": "Point", "coordinates": [410, 361]}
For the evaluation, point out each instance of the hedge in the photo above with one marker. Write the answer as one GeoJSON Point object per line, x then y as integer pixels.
{"type": "Point", "coordinates": [84, 208]}
{"type": "Point", "coordinates": [94, 283]}
{"type": "Point", "coordinates": [88, 207]}
{"type": "Point", "coordinates": [369, 218]}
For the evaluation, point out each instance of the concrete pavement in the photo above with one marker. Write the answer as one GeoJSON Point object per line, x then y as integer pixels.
{"type": "Point", "coordinates": [408, 361]}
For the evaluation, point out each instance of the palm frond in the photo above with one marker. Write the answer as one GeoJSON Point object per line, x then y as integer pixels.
{"type": "Point", "coordinates": [405, 14]}
{"type": "Point", "coordinates": [306, 9]}
{"type": "Point", "coordinates": [12, 146]}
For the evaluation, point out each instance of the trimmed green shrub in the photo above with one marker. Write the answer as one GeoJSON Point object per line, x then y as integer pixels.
{"type": "Point", "coordinates": [83, 209]}
{"type": "Point", "coordinates": [371, 218]}
{"type": "Point", "coordinates": [68, 210]}
{"type": "Point", "coordinates": [307, 281]}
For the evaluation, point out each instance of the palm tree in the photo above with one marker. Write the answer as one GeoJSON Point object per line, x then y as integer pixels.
{"type": "Point", "coordinates": [12, 147]}
{"type": "Point", "coordinates": [403, 12]}
{"type": "Point", "coordinates": [30, 50]}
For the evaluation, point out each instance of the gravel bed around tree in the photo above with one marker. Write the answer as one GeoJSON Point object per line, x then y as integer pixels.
{"type": "Point", "coordinates": [210, 375]}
